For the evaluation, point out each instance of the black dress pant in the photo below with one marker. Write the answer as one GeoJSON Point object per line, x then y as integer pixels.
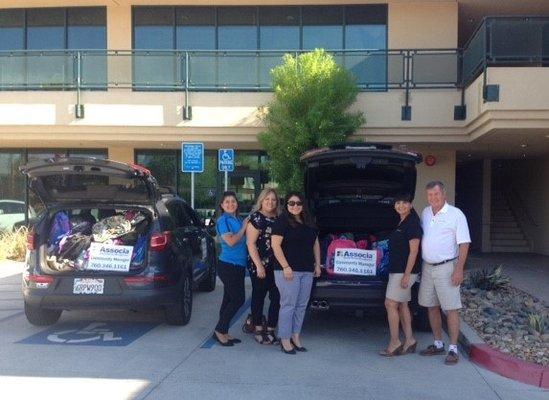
{"type": "Point", "coordinates": [260, 287]}
{"type": "Point", "coordinates": [234, 293]}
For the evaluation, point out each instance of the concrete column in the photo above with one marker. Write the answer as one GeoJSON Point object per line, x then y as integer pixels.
{"type": "Point", "coordinates": [486, 205]}
{"type": "Point", "coordinates": [119, 37]}
{"type": "Point", "coordinates": [122, 154]}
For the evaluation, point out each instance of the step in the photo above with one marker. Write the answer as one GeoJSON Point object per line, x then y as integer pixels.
{"type": "Point", "coordinates": [505, 231]}
{"type": "Point", "coordinates": [509, 249]}
{"type": "Point", "coordinates": [499, 218]}
{"type": "Point", "coordinates": [510, 242]}
{"type": "Point", "coordinates": [504, 224]}
{"type": "Point", "coordinates": [506, 236]}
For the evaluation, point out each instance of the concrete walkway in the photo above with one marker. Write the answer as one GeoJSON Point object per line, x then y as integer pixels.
{"type": "Point", "coordinates": [528, 272]}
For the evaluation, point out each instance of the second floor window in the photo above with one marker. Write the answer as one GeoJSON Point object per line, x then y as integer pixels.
{"type": "Point", "coordinates": [53, 28]}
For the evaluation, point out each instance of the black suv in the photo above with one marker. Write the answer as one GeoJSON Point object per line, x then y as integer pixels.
{"type": "Point", "coordinates": [108, 238]}
{"type": "Point", "coordinates": [350, 189]}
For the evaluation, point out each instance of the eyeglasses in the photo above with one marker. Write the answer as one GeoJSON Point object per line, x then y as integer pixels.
{"type": "Point", "coordinates": [292, 203]}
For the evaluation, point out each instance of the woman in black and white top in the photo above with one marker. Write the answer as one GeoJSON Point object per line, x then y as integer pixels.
{"type": "Point", "coordinates": [261, 264]}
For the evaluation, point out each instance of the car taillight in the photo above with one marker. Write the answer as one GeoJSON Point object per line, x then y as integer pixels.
{"type": "Point", "coordinates": [145, 280]}
{"type": "Point", "coordinates": [31, 240]}
{"type": "Point", "coordinates": [39, 281]}
{"type": "Point", "coordinates": [159, 241]}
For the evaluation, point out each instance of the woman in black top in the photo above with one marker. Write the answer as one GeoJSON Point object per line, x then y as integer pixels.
{"type": "Point", "coordinates": [261, 264]}
{"type": "Point", "coordinates": [403, 270]}
{"type": "Point", "coordinates": [297, 251]}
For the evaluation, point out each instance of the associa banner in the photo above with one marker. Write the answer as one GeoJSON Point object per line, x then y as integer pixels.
{"type": "Point", "coordinates": [355, 262]}
{"type": "Point", "coordinates": [110, 257]}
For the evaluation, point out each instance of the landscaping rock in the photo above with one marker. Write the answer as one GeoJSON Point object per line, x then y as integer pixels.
{"type": "Point", "coordinates": [501, 318]}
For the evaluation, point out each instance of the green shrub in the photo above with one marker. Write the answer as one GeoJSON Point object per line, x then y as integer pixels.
{"type": "Point", "coordinates": [493, 280]}
{"type": "Point", "coordinates": [538, 323]}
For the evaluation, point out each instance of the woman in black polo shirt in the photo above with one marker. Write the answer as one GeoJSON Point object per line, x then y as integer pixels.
{"type": "Point", "coordinates": [297, 252]}
{"type": "Point", "coordinates": [403, 270]}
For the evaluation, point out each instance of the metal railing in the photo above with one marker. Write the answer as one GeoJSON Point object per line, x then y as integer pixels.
{"type": "Point", "coordinates": [506, 41]}
{"type": "Point", "coordinates": [497, 41]}
{"type": "Point", "coordinates": [237, 70]}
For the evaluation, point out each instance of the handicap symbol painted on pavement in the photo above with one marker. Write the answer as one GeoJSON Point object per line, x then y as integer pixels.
{"type": "Point", "coordinates": [87, 333]}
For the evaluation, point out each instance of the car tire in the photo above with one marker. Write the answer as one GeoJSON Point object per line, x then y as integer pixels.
{"type": "Point", "coordinates": [180, 313]}
{"type": "Point", "coordinates": [421, 319]}
{"type": "Point", "coordinates": [40, 316]}
{"type": "Point", "coordinates": [209, 282]}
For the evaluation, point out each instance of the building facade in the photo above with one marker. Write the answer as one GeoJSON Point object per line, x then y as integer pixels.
{"type": "Point", "coordinates": [131, 82]}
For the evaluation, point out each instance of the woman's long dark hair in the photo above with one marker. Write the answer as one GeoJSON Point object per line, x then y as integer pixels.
{"type": "Point", "coordinates": [305, 216]}
{"type": "Point", "coordinates": [226, 194]}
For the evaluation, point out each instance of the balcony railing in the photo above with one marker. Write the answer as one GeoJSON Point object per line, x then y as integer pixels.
{"type": "Point", "coordinates": [497, 41]}
{"type": "Point", "coordinates": [506, 41]}
{"type": "Point", "coordinates": [213, 70]}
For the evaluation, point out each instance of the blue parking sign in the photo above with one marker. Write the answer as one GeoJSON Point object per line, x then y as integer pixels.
{"type": "Point", "coordinates": [225, 160]}
{"type": "Point", "coordinates": [192, 157]}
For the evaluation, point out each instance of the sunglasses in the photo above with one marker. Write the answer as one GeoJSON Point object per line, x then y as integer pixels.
{"type": "Point", "coordinates": [292, 203]}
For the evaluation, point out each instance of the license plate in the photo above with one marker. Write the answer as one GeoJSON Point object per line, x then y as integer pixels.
{"type": "Point", "coordinates": [88, 286]}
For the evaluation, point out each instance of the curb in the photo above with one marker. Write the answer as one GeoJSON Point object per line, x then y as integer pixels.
{"type": "Point", "coordinates": [494, 360]}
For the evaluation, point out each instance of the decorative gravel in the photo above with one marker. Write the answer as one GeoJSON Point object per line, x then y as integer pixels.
{"type": "Point", "coordinates": [501, 319]}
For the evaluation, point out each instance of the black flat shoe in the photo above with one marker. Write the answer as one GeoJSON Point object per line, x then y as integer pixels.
{"type": "Point", "coordinates": [287, 351]}
{"type": "Point", "coordinates": [228, 343]}
{"type": "Point", "coordinates": [298, 348]}
{"type": "Point", "coordinates": [235, 340]}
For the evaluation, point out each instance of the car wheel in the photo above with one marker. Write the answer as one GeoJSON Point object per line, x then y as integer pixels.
{"type": "Point", "coordinates": [40, 316]}
{"type": "Point", "coordinates": [208, 284]}
{"type": "Point", "coordinates": [180, 312]}
{"type": "Point", "coordinates": [421, 319]}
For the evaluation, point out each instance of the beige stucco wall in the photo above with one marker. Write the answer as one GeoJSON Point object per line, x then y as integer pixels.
{"type": "Point", "coordinates": [423, 25]}
{"type": "Point", "coordinates": [444, 170]}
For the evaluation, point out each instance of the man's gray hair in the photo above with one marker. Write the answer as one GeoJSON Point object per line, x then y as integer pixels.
{"type": "Point", "coordinates": [433, 184]}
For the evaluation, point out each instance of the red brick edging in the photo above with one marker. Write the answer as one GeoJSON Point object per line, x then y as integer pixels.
{"type": "Point", "coordinates": [508, 366]}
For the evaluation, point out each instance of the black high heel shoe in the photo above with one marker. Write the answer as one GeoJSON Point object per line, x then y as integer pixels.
{"type": "Point", "coordinates": [298, 348]}
{"type": "Point", "coordinates": [286, 351]}
{"type": "Point", "coordinates": [227, 343]}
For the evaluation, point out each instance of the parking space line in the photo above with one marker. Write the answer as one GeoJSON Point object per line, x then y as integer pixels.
{"type": "Point", "coordinates": [11, 316]}
{"type": "Point", "coordinates": [209, 342]}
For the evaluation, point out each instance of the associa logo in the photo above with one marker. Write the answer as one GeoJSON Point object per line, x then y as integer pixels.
{"type": "Point", "coordinates": [356, 254]}
{"type": "Point", "coordinates": [110, 250]}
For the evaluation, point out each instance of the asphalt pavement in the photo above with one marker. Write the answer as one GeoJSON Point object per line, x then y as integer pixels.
{"type": "Point", "coordinates": [135, 355]}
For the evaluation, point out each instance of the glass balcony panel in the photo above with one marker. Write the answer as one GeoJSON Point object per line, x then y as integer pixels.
{"type": "Point", "coordinates": [238, 70]}
{"type": "Point", "coordinates": [94, 70]}
{"type": "Point", "coordinates": [435, 68]}
{"type": "Point", "coordinates": [12, 70]}
{"type": "Point", "coordinates": [396, 69]}
{"type": "Point", "coordinates": [474, 55]}
{"type": "Point", "coordinates": [369, 68]}
{"type": "Point", "coordinates": [51, 70]}
{"type": "Point", "coordinates": [519, 39]}
{"type": "Point", "coordinates": [156, 70]}
{"type": "Point", "coordinates": [203, 70]}
{"type": "Point", "coordinates": [267, 62]}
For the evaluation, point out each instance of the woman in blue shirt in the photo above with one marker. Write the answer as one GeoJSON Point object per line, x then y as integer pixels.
{"type": "Point", "coordinates": [232, 265]}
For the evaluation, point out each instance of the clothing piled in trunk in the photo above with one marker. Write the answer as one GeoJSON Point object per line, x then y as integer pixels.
{"type": "Point", "coordinates": [70, 237]}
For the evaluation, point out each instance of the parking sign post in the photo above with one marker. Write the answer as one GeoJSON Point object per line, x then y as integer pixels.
{"type": "Point", "coordinates": [192, 160]}
{"type": "Point", "coordinates": [225, 163]}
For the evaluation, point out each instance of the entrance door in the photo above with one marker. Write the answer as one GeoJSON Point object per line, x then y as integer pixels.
{"type": "Point", "coordinates": [245, 183]}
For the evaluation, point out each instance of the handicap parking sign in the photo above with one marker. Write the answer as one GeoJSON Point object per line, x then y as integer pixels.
{"type": "Point", "coordinates": [225, 158]}
{"type": "Point", "coordinates": [86, 333]}
{"type": "Point", "coordinates": [192, 157]}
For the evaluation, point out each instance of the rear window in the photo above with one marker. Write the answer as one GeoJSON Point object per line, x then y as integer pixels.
{"type": "Point", "coordinates": [374, 181]}
{"type": "Point", "coordinates": [64, 187]}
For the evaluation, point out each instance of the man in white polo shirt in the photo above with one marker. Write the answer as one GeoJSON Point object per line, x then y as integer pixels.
{"type": "Point", "coordinates": [444, 247]}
